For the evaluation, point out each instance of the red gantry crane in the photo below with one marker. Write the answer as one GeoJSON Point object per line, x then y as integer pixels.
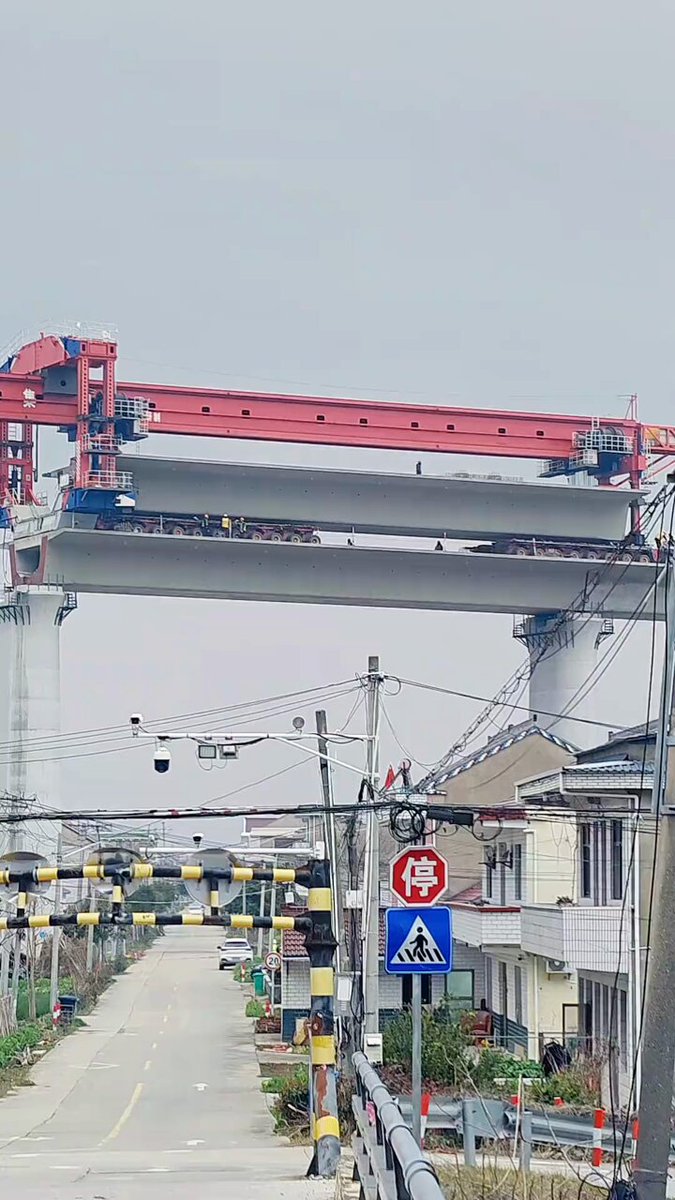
{"type": "Point", "coordinates": [70, 383]}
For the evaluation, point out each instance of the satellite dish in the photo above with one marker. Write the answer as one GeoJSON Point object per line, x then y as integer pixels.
{"type": "Point", "coordinates": [24, 860]}
{"type": "Point", "coordinates": [200, 890]}
{"type": "Point", "coordinates": [113, 854]}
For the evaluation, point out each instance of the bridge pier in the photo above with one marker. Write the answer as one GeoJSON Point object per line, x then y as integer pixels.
{"type": "Point", "coordinates": [563, 651]}
{"type": "Point", "coordinates": [30, 709]}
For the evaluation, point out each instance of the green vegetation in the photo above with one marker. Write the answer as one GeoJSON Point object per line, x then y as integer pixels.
{"type": "Point", "coordinates": [254, 1009]}
{"type": "Point", "coordinates": [291, 1107]}
{"type": "Point", "coordinates": [12, 1047]}
{"type": "Point", "coordinates": [42, 1006]}
{"type": "Point", "coordinates": [451, 1062]}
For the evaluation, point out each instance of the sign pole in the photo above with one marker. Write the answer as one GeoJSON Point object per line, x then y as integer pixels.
{"type": "Point", "coordinates": [417, 1058]}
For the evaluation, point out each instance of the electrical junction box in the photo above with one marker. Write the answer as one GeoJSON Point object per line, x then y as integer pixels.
{"type": "Point", "coordinates": [372, 1048]}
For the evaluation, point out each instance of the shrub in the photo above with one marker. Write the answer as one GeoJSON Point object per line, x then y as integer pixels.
{"type": "Point", "coordinates": [498, 1064]}
{"type": "Point", "coordinates": [24, 1038]}
{"type": "Point", "coordinates": [291, 1107]}
{"type": "Point", "coordinates": [444, 1046]}
{"type": "Point", "coordinates": [578, 1085]}
{"type": "Point", "coordinates": [254, 1009]}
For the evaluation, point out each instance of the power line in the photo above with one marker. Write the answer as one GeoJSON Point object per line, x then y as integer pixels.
{"type": "Point", "coordinates": [101, 732]}
{"type": "Point", "coordinates": [523, 673]}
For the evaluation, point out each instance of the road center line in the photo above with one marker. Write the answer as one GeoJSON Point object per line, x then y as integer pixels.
{"type": "Point", "coordinates": [147, 1065]}
{"type": "Point", "coordinates": [154, 1045]}
{"type": "Point", "coordinates": [116, 1129]}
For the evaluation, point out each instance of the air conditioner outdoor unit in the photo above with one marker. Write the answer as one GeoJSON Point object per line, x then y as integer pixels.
{"type": "Point", "coordinates": [555, 966]}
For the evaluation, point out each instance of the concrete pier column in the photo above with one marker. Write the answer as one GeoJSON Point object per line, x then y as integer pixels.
{"type": "Point", "coordinates": [30, 709]}
{"type": "Point", "coordinates": [563, 652]}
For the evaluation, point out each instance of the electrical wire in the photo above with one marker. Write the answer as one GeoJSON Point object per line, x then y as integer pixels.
{"type": "Point", "coordinates": [118, 746]}
{"type": "Point", "coordinates": [102, 732]}
{"type": "Point", "coordinates": [523, 673]}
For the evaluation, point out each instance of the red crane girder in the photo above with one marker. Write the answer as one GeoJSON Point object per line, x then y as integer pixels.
{"type": "Point", "coordinates": [36, 391]}
{"type": "Point", "coordinates": [266, 416]}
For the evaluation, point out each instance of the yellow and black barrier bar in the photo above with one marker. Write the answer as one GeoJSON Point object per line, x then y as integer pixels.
{"type": "Point", "coordinates": [223, 920]}
{"type": "Point", "coordinates": [320, 943]}
{"type": "Point", "coordinates": [146, 870]}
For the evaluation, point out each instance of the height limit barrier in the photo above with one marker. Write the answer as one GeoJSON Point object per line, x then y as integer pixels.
{"type": "Point", "coordinates": [316, 927]}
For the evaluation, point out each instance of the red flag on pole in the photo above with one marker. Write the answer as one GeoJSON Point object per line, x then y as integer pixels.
{"type": "Point", "coordinates": [391, 778]}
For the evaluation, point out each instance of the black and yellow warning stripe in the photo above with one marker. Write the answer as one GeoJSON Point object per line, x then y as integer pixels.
{"type": "Point", "coordinates": [15, 876]}
{"type": "Point", "coordinates": [224, 920]}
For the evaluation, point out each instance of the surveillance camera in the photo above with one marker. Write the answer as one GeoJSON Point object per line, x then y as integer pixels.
{"type": "Point", "coordinates": [135, 720]}
{"type": "Point", "coordinates": [161, 760]}
{"type": "Point", "coordinates": [299, 723]}
{"type": "Point", "coordinates": [197, 839]}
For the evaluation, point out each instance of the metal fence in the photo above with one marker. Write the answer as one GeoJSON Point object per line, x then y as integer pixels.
{"type": "Point", "coordinates": [388, 1163]}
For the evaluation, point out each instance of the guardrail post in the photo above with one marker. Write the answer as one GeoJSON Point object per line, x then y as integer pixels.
{"type": "Point", "coordinates": [525, 1141]}
{"type": "Point", "coordinates": [321, 943]}
{"type": "Point", "coordinates": [468, 1134]}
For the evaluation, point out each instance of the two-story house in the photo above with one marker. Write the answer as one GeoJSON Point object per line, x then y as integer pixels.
{"type": "Point", "coordinates": [601, 933]}
{"type": "Point", "coordinates": [528, 858]}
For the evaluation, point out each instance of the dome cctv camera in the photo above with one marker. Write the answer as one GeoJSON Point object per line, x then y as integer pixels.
{"type": "Point", "coordinates": [161, 760]}
{"type": "Point", "coordinates": [135, 720]}
{"type": "Point", "coordinates": [197, 839]}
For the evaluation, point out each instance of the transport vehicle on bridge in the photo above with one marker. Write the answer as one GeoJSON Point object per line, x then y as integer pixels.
{"type": "Point", "coordinates": [204, 525]}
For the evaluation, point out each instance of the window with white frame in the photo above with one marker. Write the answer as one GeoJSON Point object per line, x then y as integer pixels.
{"type": "Point", "coordinates": [518, 995]}
{"type": "Point", "coordinates": [601, 861]}
{"type": "Point", "coordinates": [585, 856]}
{"type": "Point", "coordinates": [518, 871]}
{"type": "Point", "coordinates": [489, 872]}
{"type": "Point", "coordinates": [616, 871]}
{"type": "Point", "coordinates": [503, 859]}
{"type": "Point", "coordinates": [489, 999]}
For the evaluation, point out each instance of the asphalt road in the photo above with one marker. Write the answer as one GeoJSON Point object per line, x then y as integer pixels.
{"type": "Point", "coordinates": [158, 1096]}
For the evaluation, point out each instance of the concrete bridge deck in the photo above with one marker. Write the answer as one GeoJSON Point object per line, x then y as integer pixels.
{"type": "Point", "coordinates": [379, 503]}
{"type": "Point", "coordinates": [85, 560]}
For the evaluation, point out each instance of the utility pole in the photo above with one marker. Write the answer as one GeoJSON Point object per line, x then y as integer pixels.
{"type": "Point", "coordinates": [658, 1042]}
{"type": "Point", "coordinates": [371, 899]}
{"type": "Point", "coordinates": [329, 837]}
{"type": "Point", "coordinates": [261, 913]}
{"type": "Point", "coordinates": [56, 939]}
{"type": "Point", "coordinates": [90, 931]}
{"type": "Point", "coordinates": [56, 948]}
{"type": "Point", "coordinates": [273, 913]}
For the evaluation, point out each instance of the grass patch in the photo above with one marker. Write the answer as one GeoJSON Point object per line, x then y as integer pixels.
{"type": "Point", "coordinates": [490, 1181]}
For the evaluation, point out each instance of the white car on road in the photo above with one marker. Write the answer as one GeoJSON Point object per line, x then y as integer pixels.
{"type": "Point", "coordinates": [234, 951]}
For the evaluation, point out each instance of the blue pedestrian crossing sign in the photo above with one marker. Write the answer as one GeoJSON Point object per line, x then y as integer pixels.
{"type": "Point", "coordinates": [418, 941]}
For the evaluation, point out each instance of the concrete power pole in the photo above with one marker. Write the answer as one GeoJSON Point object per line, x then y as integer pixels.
{"type": "Point", "coordinates": [330, 838]}
{"type": "Point", "coordinates": [658, 1042]}
{"type": "Point", "coordinates": [371, 959]}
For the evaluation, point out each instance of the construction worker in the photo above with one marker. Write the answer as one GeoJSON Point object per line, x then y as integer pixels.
{"type": "Point", "coordinates": [205, 522]}
{"type": "Point", "coordinates": [226, 525]}
{"type": "Point", "coordinates": [240, 527]}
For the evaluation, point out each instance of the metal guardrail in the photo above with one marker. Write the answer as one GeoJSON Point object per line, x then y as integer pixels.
{"type": "Point", "coordinates": [389, 1162]}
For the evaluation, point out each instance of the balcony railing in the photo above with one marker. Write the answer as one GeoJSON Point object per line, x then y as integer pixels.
{"type": "Point", "coordinates": [486, 925]}
{"type": "Point", "coordinates": [584, 938]}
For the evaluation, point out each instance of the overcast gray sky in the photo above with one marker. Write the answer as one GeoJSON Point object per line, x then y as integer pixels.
{"type": "Point", "coordinates": [469, 203]}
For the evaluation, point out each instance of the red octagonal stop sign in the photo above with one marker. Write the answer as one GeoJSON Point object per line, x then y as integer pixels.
{"type": "Point", "coordinates": [419, 875]}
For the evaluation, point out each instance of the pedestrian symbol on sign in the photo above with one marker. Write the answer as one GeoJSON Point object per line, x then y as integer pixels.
{"type": "Point", "coordinates": [419, 946]}
{"type": "Point", "coordinates": [418, 941]}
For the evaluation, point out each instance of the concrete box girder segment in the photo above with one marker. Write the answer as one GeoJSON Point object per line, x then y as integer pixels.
{"type": "Point", "coordinates": [379, 503]}
{"type": "Point", "coordinates": [205, 568]}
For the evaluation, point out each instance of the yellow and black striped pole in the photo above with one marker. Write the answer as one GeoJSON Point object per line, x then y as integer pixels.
{"type": "Point", "coordinates": [320, 943]}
